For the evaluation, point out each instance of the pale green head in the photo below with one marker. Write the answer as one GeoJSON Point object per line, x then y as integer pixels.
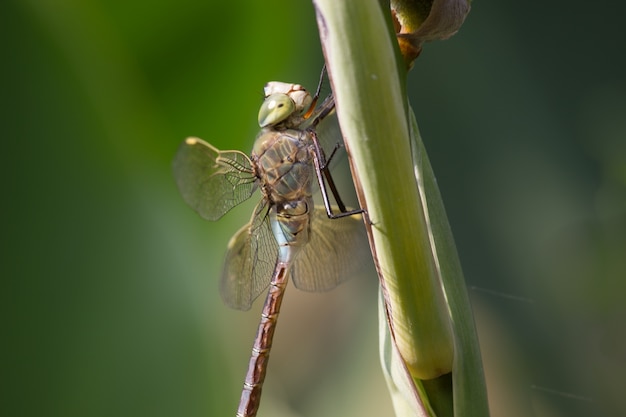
{"type": "Point", "coordinates": [283, 100]}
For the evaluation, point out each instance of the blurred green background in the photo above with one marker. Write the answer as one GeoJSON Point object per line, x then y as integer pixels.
{"type": "Point", "coordinates": [109, 283]}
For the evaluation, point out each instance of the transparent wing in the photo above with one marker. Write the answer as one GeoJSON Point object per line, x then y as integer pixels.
{"type": "Point", "coordinates": [212, 181]}
{"type": "Point", "coordinates": [329, 137]}
{"type": "Point", "coordinates": [336, 250]}
{"type": "Point", "coordinates": [250, 261]}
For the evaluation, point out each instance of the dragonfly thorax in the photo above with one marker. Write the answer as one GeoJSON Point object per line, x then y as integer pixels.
{"type": "Point", "coordinates": [282, 161]}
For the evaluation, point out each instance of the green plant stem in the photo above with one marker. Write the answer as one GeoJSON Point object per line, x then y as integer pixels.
{"type": "Point", "coordinates": [409, 235]}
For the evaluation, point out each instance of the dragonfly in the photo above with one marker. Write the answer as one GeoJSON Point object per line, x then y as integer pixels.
{"type": "Point", "coordinates": [287, 235]}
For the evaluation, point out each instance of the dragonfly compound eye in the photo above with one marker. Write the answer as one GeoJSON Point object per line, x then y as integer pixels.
{"type": "Point", "coordinates": [275, 109]}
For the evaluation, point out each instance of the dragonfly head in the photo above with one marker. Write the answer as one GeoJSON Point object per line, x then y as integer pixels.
{"type": "Point", "coordinates": [282, 101]}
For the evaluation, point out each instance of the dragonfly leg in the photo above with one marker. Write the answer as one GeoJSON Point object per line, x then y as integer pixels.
{"type": "Point", "coordinates": [316, 97]}
{"type": "Point", "coordinates": [321, 81]}
{"type": "Point", "coordinates": [332, 155]}
{"type": "Point", "coordinates": [324, 109]}
{"type": "Point", "coordinates": [324, 177]}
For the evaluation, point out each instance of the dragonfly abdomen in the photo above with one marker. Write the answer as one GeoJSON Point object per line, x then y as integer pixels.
{"type": "Point", "coordinates": [253, 384]}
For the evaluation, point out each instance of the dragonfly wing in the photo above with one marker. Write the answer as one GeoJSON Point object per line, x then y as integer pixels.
{"type": "Point", "coordinates": [212, 181]}
{"type": "Point", "coordinates": [329, 137]}
{"type": "Point", "coordinates": [250, 261]}
{"type": "Point", "coordinates": [336, 250]}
